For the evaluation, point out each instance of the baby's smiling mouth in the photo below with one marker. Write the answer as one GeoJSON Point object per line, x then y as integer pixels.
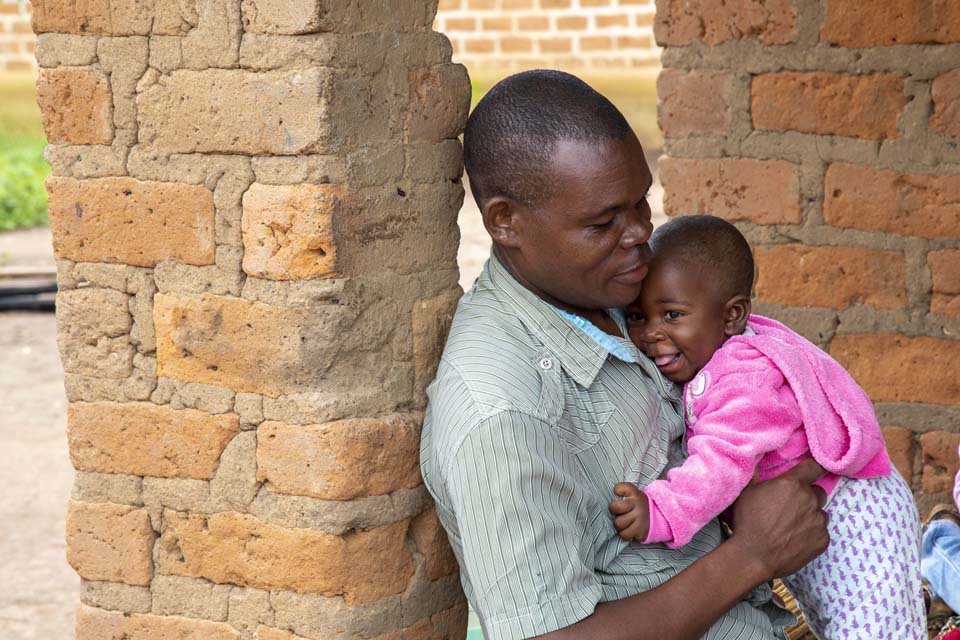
{"type": "Point", "coordinates": [666, 360]}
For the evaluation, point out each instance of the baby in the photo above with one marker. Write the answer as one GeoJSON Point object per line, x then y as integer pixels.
{"type": "Point", "coordinates": [758, 399]}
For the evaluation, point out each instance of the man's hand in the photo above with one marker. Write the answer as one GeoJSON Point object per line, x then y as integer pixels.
{"type": "Point", "coordinates": [631, 512]}
{"type": "Point", "coordinates": [781, 522]}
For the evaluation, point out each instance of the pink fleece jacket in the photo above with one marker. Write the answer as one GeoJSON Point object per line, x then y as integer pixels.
{"type": "Point", "coordinates": [763, 402]}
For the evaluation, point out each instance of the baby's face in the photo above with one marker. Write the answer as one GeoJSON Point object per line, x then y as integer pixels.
{"type": "Point", "coordinates": [677, 320]}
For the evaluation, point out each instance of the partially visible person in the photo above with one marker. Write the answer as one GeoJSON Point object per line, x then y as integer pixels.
{"type": "Point", "coordinates": [941, 550]}
{"type": "Point", "coordinates": [758, 400]}
{"type": "Point", "coordinates": [541, 403]}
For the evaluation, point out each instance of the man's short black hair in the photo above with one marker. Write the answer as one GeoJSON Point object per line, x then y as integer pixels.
{"type": "Point", "coordinates": [513, 131]}
{"type": "Point", "coordinates": [710, 247]}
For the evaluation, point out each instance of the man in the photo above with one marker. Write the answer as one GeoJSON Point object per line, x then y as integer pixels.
{"type": "Point", "coordinates": [541, 406]}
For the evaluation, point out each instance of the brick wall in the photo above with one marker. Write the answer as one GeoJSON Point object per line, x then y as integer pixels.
{"type": "Point", "coordinates": [828, 129]}
{"type": "Point", "coordinates": [501, 35]}
{"type": "Point", "coordinates": [257, 265]}
{"type": "Point", "coordinates": [17, 41]}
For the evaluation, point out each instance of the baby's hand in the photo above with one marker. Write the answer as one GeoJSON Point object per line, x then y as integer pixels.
{"type": "Point", "coordinates": [631, 512]}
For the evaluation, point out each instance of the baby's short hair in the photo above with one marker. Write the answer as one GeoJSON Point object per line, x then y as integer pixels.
{"type": "Point", "coordinates": [711, 247]}
{"type": "Point", "coordinates": [513, 131]}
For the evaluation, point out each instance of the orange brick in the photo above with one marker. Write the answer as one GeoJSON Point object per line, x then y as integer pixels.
{"type": "Point", "coordinates": [890, 22]}
{"type": "Point", "coordinates": [555, 4]}
{"type": "Point", "coordinates": [829, 103]}
{"type": "Point", "coordinates": [479, 46]}
{"type": "Point", "coordinates": [680, 22]}
{"type": "Point", "coordinates": [940, 462]}
{"type": "Point", "coordinates": [76, 106]}
{"type": "Point", "coordinates": [102, 17]}
{"type": "Point", "coordinates": [533, 23]}
{"type": "Point", "coordinates": [340, 460]}
{"type": "Point", "coordinates": [945, 269]}
{"type": "Point", "coordinates": [460, 24]}
{"type": "Point", "coordinates": [449, 5]}
{"type": "Point", "coordinates": [432, 543]}
{"type": "Point", "coordinates": [128, 221]}
{"type": "Point", "coordinates": [946, 104]}
{"type": "Point", "coordinates": [902, 449]}
{"type": "Point", "coordinates": [481, 4]}
{"type": "Point", "coordinates": [607, 22]}
{"type": "Point", "coordinates": [859, 197]}
{"type": "Point", "coordinates": [634, 42]}
{"type": "Point", "coordinates": [110, 542]}
{"type": "Point", "coordinates": [834, 277]}
{"type": "Point", "coordinates": [236, 548]}
{"type": "Point", "coordinates": [499, 23]}
{"type": "Point", "coordinates": [143, 439]}
{"type": "Point", "coordinates": [643, 19]}
{"type": "Point", "coordinates": [97, 624]}
{"type": "Point", "coordinates": [556, 45]}
{"type": "Point", "coordinates": [761, 191]}
{"type": "Point", "coordinates": [510, 5]}
{"type": "Point", "coordinates": [896, 368]}
{"type": "Point", "coordinates": [595, 43]}
{"type": "Point", "coordinates": [595, 3]}
{"type": "Point", "coordinates": [516, 45]}
{"type": "Point", "coordinates": [571, 23]}
{"type": "Point", "coordinates": [692, 103]}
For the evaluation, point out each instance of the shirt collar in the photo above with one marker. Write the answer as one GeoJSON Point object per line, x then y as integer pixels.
{"type": "Point", "coordinates": [580, 355]}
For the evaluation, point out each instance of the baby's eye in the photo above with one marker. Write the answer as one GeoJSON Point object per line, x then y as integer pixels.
{"type": "Point", "coordinates": [634, 316]}
{"type": "Point", "coordinates": [672, 315]}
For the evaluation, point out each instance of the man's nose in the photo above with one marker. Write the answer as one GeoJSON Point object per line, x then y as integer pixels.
{"type": "Point", "coordinates": [638, 229]}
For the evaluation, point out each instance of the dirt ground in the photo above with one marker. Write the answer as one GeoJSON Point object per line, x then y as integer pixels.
{"type": "Point", "coordinates": [38, 590]}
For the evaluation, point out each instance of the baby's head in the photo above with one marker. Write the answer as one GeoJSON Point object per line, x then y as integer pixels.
{"type": "Point", "coordinates": [695, 296]}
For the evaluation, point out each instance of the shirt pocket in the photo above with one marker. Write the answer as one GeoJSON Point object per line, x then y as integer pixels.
{"type": "Point", "coordinates": [585, 414]}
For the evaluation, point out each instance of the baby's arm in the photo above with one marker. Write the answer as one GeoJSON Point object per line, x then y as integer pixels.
{"type": "Point", "coordinates": [742, 416]}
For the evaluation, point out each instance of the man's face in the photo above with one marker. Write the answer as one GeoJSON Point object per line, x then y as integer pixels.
{"type": "Point", "coordinates": [585, 247]}
{"type": "Point", "coordinates": [678, 321]}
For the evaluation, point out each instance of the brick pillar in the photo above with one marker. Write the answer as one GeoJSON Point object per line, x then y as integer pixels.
{"type": "Point", "coordinates": [254, 212]}
{"type": "Point", "coordinates": [828, 130]}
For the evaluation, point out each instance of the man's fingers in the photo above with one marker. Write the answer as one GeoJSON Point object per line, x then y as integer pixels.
{"type": "Point", "coordinates": [807, 471]}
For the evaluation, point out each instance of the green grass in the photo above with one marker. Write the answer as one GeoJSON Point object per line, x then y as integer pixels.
{"type": "Point", "coordinates": [23, 199]}
{"type": "Point", "coordinates": [634, 95]}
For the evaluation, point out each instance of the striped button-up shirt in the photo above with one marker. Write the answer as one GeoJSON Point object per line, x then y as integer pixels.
{"type": "Point", "coordinates": [530, 423]}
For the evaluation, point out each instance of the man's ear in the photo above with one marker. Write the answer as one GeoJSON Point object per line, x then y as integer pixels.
{"type": "Point", "coordinates": [736, 312]}
{"type": "Point", "coordinates": [502, 222]}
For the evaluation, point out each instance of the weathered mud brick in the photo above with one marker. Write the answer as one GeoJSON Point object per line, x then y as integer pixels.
{"type": "Point", "coordinates": [288, 231]}
{"type": "Point", "coordinates": [129, 221]}
{"type": "Point", "coordinates": [945, 269]}
{"type": "Point", "coordinates": [140, 438]}
{"type": "Point", "coordinates": [93, 327]}
{"type": "Point", "coordinates": [246, 346]}
{"type": "Point", "coordinates": [760, 191]}
{"type": "Point", "coordinates": [446, 625]}
{"type": "Point", "coordinates": [110, 542]}
{"type": "Point", "coordinates": [231, 111]}
{"type": "Point", "coordinates": [76, 106]}
{"type": "Point", "coordinates": [829, 103]}
{"type": "Point", "coordinates": [945, 92]}
{"type": "Point", "coordinates": [340, 460]}
{"type": "Point", "coordinates": [693, 102]}
{"type": "Point", "coordinates": [433, 545]}
{"type": "Point", "coordinates": [439, 102]}
{"type": "Point", "coordinates": [270, 633]}
{"type": "Point", "coordinates": [890, 22]}
{"type": "Point", "coordinates": [235, 548]}
{"type": "Point", "coordinates": [835, 277]}
{"type": "Point", "coordinates": [97, 624]}
{"type": "Point", "coordinates": [860, 197]}
{"type": "Point", "coordinates": [902, 449]}
{"type": "Point", "coordinates": [100, 17]}
{"type": "Point", "coordinates": [940, 463]}
{"type": "Point", "coordinates": [680, 22]}
{"type": "Point", "coordinates": [896, 368]}
{"type": "Point", "coordinates": [431, 320]}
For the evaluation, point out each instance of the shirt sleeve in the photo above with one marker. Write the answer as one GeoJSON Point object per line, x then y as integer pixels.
{"type": "Point", "coordinates": [742, 417]}
{"type": "Point", "coordinates": [523, 522]}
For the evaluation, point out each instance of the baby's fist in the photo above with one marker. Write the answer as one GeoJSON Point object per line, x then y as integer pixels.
{"type": "Point", "coordinates": [631, 512]}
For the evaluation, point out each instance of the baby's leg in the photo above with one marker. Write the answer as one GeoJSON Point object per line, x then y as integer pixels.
{"type": "Point", "coordinates": [867, 583]}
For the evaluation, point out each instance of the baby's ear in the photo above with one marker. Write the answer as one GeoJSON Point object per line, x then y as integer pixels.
{"type": "Point", "coordinates": [736, 312]}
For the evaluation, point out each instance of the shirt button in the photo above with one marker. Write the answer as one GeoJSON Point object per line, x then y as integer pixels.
{"type": "Point", "coordinates": [546, 364]}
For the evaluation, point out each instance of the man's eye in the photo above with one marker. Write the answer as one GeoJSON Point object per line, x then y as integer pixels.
{"type": "Point", "coordinates": [602, 225]}
{"type": "Point", "coordinates": [672, 315]}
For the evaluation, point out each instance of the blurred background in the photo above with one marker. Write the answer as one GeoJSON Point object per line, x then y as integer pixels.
{"type": "Point", "coordinates": [609, 43]}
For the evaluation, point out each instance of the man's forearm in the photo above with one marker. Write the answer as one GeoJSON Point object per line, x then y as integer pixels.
{"type": "Point", "coordinates": [683, 607]}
